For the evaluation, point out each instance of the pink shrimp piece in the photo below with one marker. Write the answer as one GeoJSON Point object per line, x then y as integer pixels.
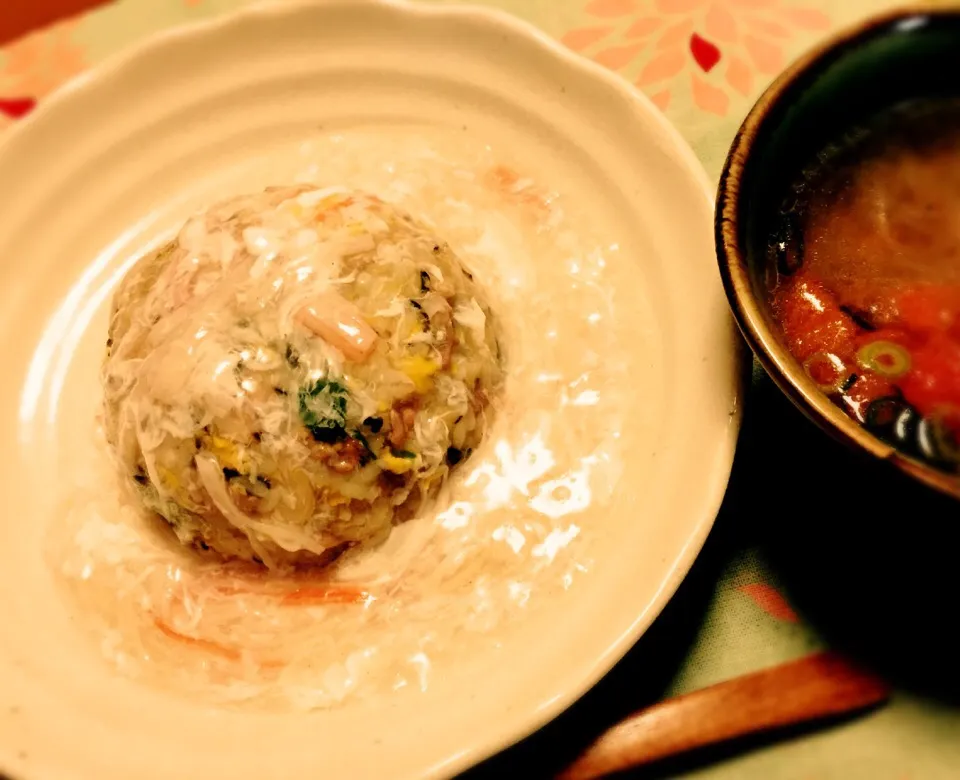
{"type": "Point", "coordinates": [305, 591]}
{"type": "Point", "coordinates": [206, 645]}
{"type": "Point", "coordinates": [324, 594]}
{"type": "Point", "coordinates": [209, 646]}
{"type": "Point", "coordinates": [339, 322]}
{"type": "Point", "coordinates": [507, 181]}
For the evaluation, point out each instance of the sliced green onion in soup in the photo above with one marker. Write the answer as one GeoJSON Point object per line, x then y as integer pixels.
{"type": "Point", "coordinates": [885, 358]}
{"type": "Point", "coordinates": [827, 370]}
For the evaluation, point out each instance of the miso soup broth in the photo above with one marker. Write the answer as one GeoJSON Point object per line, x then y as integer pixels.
{"type": "Point", "coordinates": [864, 276]}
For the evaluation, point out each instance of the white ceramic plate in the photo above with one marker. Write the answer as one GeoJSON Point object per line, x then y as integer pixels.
{"type": "Point", "coordinates": [123, 154]}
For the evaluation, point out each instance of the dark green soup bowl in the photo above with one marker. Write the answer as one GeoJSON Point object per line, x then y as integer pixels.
{"type": "Point", "coordinates": [905, 56]}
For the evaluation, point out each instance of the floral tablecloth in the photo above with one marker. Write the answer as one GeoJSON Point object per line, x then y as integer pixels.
{"type": "Point", "coordinates": [702, 62]}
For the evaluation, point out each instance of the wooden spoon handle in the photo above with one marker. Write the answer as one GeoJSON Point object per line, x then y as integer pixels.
{"type": "Point", "coordinates": [818, 686]}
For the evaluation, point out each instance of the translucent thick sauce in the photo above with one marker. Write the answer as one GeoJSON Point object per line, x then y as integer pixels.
{"type": "Point", "coordinates": [509, 533]}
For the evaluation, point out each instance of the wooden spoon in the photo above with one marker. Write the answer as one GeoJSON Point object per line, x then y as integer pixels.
{"type": "Point", "coordinates": [819, 686]}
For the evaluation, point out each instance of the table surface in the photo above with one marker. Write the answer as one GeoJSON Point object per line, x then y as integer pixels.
{"type": "Point", "coordinates": [810, 549]}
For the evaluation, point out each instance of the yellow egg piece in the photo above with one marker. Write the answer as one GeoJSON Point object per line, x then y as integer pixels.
{"type": "Point", "coordinates": [226, 452]}
{"type": "Point", "coordinates": [168, 478]}
{"type": "Point", "coordinates": [420, 370]}
{"type": "Point", "coordinates": [391, 462]}
{"type": "Point", "coordinates": [337, 499]}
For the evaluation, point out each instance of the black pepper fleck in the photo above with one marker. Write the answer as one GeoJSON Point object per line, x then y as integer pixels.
{"type": "Point", "coordinates": [292, 356]}
{"type": "Point", "coordinates": [424, 317]}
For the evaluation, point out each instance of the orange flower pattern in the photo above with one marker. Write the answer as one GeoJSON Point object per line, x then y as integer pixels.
{"type": "Point", "coordinates": [770, 600]}
{"type": "Point", "coordinates": [33, 66]}
{"type": "Point", "coordinates": [715, 49]}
